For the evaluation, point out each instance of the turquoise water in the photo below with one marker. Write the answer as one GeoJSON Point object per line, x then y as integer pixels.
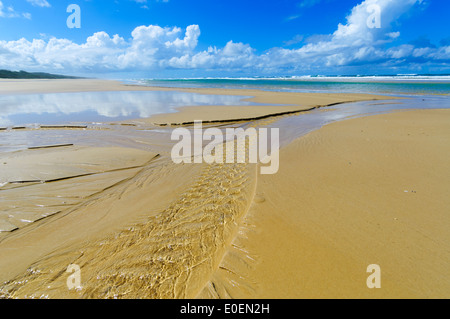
{"type": "Point", "coordinates": [386, 85]}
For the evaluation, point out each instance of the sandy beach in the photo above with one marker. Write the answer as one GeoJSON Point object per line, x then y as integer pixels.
{"type": "Point", "coordinates": [362, 191]}
{"type": "Point", "coordinates": [354, 193]}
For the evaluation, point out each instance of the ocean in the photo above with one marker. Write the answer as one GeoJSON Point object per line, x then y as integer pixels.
{"type": "Point", "coordinates": [399, 84]}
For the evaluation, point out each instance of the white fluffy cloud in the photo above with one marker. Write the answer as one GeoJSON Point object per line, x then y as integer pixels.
{"type": "Point", "coordinates": [355, 43]}
{"type": "Point", "coordinates": [159, 48]}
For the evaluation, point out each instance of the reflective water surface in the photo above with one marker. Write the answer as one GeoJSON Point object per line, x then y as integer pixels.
{"type": "Point", "coordinates": [124, 105]}
{"type": "Point", "coordinates": [293, 127]}
{"type": "Point", "coordinates": [58, 108]}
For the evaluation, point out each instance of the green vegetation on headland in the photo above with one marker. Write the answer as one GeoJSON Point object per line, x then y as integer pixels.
{"type": "Point", "coordinates": [5, 74]}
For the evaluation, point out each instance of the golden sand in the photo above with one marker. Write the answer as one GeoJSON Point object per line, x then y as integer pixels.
{"type": "Point", "coordinates": [363, 191]}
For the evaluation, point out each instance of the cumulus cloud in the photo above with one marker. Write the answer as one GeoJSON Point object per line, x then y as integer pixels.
{"type": "Point", "coordinates": [160, 48]}
{"type": "Point", "coordinates": [150, 47]}
{"type": "Point", "coordinates": [356, 43]}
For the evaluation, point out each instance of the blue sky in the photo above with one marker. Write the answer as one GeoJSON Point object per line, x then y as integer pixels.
{"type": "Point", "coordinates": [180, 38]}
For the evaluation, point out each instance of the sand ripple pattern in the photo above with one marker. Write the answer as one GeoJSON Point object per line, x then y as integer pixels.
{"type": "Point", "coordinates": [191, 249]}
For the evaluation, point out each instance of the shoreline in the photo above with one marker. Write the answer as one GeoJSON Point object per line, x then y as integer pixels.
{"type": "Point", "coordinates": [274, 103]}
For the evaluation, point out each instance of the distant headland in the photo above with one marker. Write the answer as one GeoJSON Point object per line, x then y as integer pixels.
{"type": "Point", "coordinates": [6, 74]}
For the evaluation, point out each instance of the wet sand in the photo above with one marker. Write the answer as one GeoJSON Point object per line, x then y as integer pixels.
{"type": "Point", "coordinates": [357, 192]}
{"type": "Point", "coordinates": [365, 191]}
